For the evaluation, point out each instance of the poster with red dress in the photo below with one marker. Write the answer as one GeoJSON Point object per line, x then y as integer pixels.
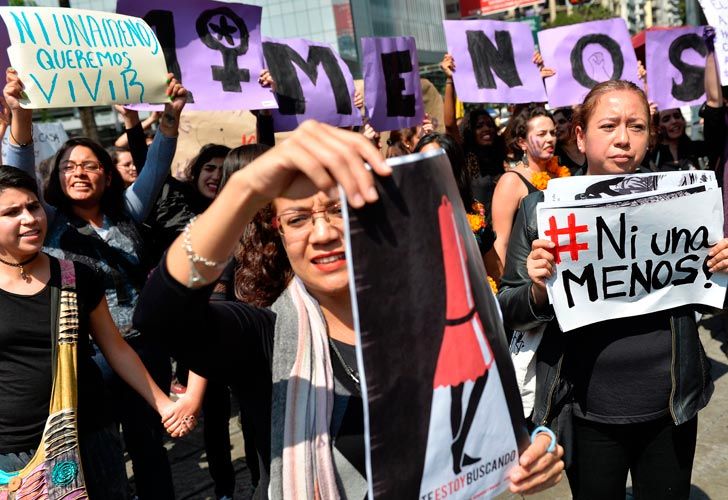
{"type": "Point", "coordinates": [443, 416]}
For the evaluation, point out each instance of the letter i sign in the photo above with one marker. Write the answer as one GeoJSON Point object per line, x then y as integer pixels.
{"type": "Point", "coordinates": [571, 229]}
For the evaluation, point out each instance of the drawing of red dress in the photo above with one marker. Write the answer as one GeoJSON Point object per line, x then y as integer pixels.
{"type": "Point", "coordinates": [465, 353]}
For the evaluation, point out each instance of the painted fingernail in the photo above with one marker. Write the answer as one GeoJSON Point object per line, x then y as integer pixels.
{"type": "Point", "coordinates": [23, 95]}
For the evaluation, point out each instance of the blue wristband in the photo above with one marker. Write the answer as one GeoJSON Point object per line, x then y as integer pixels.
{"type": "Point", "coordinates": [545, 430]}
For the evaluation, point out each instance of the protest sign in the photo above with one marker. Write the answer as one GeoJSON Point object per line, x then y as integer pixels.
{"type": "Point", "coordinates": [47, 139]}
{"type": "Point", "coordinates": [312, 81]}
{"type": "Point", "coordinates": [633, 254]}
{"type": "Point", "coordinates": [214, 48]}
{"type": "Point", "coordinates": [443, 415]}
{"type": "Point", "coordinates": [677, 57]}
{"type": "Point", "coordinates": [71, 57]}
{"type": "Point", "coordinates": [584, 55]}
{"type": "Point", "coordinates": [716, 12]}
{"type": "Point", "coordinates": [587, 187]}
{"type": "Point", "coordinates": [494, 61]}
{"type": "Point", "coordinates": [392, 82]}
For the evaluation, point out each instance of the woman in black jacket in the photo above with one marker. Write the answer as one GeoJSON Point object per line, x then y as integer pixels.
{"type": "Point", "coordinates": [634, 385]}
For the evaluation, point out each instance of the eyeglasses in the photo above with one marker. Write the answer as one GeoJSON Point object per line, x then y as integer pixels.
{"type": "Point", "coordinates": [69, 167]}
{"type": "Point", "coordinates": [296, 221]}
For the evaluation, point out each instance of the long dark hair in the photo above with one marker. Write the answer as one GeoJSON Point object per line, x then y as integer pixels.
{"type": "Point", "coordinates": [112, 201]}
{"type": "Point", "coordinates": [240, 157]}
{"type": "Point", "coordinates": [457, 162]}
{"type": "Point", "coordinates": [14, 178]}
{"type": "Point", "coordinates": [207, 153]}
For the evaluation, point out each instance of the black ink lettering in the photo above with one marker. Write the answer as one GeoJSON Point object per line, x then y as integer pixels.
{"type": "Point", "coordinates": [602, 228]}
{"type": "Point", "coordinates": [638, 277]}
{"type": "Point", "coordinates": [702, 231]}
{"type": "Point", "coordinates": [393, 65]}
{"type": "Point", "coordinates": [633, 243]}
{"type": "Point", "coordinates": [587, 278]}
{"type": "Point", "coordinates": [577, 59]}
{"type": "Point", "coordinates": [677, 235]}
{"type": "Point", "coordinates": [690, 273]}
{"type": "Point", "coordinates": [488, 59]}
{"type": "Point", "coordinates": [653, 244]}
{"type": "Point", "coordinates": [691, 87]}
{"type": "Point", "coordinates": [606, 284]}
{"type": "Point", "coordinates": [281, 59]}
{"type": "Point", "coordinates": [229, 26]}
{"type": "Point", "coordinates": [163, 23]}
{"type": "Point", "coordinates": [656, 282]}
{"type": "Point", "coordinates": [706, 272]}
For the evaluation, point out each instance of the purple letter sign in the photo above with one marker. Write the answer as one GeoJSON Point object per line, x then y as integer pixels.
{"type": "Point", "coordinates": [392, 82]}
{"type": "Point", "coordinates": [677, 59]}
{"type": "Point", "coordinates": [584, 55]}
{"type": "Point", "coordinates": [312, 81]}
{"type": "Point", "coordinates": [493, 61]}
{"type": "Point", "coordinates": [214, 47]}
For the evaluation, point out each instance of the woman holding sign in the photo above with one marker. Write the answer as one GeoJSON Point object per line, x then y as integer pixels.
{"type": "Point", "coordinates": [628, 389]}
{"type": "Point", "coordinates": [94, 220]}
{"type": "Point", "coordinates": [307, 337]}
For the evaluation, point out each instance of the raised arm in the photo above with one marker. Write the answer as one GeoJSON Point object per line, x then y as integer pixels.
{"type": "Point", "coordinates": [140, 196]}
{"type": "Point", "coordinates": [324, 154]}
{"type": "Point", "coordinates": [450, 101]}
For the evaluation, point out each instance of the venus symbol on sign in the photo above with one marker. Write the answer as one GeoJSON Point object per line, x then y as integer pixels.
{"type": "Point", "coordinates": [218, 29]}
{"type": "Point", "coordinates": [573, 247]}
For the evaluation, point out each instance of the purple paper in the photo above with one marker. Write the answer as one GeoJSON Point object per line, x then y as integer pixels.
{"type": "Point", "coordinates": [494, 61]}
{"type": "Point", "coordinates": [586, 54]}
{"type": "Point", "coordinates": [392, 88]}
{"type": "Point", "coordinates": [4, 42]}
{"type": "Point", "coordinates": [672, 87]}
{"type": "Point", "coordinates": [205, 43]}
{"type": "Point", "coordinates": [312, 82]}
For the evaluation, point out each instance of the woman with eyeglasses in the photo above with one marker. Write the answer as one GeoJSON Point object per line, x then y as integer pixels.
{"type": "Point", "coordinates": [94, 220]}
{"type": "Point", "coordinates": [306, 338]}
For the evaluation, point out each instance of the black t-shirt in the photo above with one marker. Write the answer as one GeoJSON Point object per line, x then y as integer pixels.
{"type": "Point", "coordinates": [26, 365]}
{"type": "Point", "coordinates": [620, 369]}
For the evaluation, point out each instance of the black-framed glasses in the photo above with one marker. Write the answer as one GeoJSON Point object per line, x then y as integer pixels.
{"type": "Point", "coordinates": [68, 166]}
{"type": "Point", "coordinates": [295, 221]}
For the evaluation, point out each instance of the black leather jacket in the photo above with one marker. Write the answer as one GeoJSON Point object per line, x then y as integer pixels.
{"type": "Point", "coordinates": [692, 385]}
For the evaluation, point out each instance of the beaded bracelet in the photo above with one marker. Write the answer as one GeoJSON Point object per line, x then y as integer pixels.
{"type": "Point", "coordinates": [194, 258]}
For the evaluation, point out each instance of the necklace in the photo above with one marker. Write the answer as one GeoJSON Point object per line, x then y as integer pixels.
{"type": "Point", "coordinates": [23, 274]}
{"type": "Point", "coordinates": [353, 374]}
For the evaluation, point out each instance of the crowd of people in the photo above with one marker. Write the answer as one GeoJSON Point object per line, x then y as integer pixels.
{"type": "Point", "coordinates": [110, 267]}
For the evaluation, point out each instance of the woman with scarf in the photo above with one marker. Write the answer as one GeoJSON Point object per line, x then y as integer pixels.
{"type": "Point", "coordinates": [94, 220]}
{"type": "Point", "coordinates": [308, 331]}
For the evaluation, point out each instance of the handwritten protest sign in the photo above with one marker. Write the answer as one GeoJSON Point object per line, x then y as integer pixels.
{"type": "Point", "coordinates": [677, 56]}
{"type": "Point", "coordinates": [213, 47]}
{"type": "Point", "coordinates": [392, 82]}
{"type": "Point", "coordinates": [642, 254]}
{"type": "Point", "coordinates": [716, 12]}
{"type": "Point", "coordinates": [493, 61]}
{"type": "Point", "coordinates": [70, 57]}
{"type": "Point", "coordinates": [584, 55]}
{"type": "Point", "coordinates": [312, 81]}
{"type": "Point", "coordinates": [47, 139]}
{"type": "Point", "coordinates": [458, 379]}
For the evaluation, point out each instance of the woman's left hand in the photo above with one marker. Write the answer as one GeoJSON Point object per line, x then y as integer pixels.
{"type": "Point", "coordinates": [537, 468]}
{"type": "Point", "coordinates": [718, 257]}
{"type": "Point", "coordinates": [180, 418]}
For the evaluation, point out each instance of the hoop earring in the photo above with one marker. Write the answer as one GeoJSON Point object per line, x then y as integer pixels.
{"type": "Point", "coordinates": [524, 158]}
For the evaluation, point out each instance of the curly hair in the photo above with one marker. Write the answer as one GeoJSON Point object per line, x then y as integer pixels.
{"type": "Point", "coordinates": [262, 270]}
{"type": "Point", "coordinates": [517, 128]}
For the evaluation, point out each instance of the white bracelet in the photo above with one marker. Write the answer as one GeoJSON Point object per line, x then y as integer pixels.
{"type": "Point", "coordinates": [195, 277]}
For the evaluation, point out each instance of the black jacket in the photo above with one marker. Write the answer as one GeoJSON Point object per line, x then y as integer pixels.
{"type": "Point", "coordinates": [692, 385]}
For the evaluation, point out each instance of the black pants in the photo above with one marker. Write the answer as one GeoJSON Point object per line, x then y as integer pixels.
{"type": "Point", "coordinates": [658, 454]}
